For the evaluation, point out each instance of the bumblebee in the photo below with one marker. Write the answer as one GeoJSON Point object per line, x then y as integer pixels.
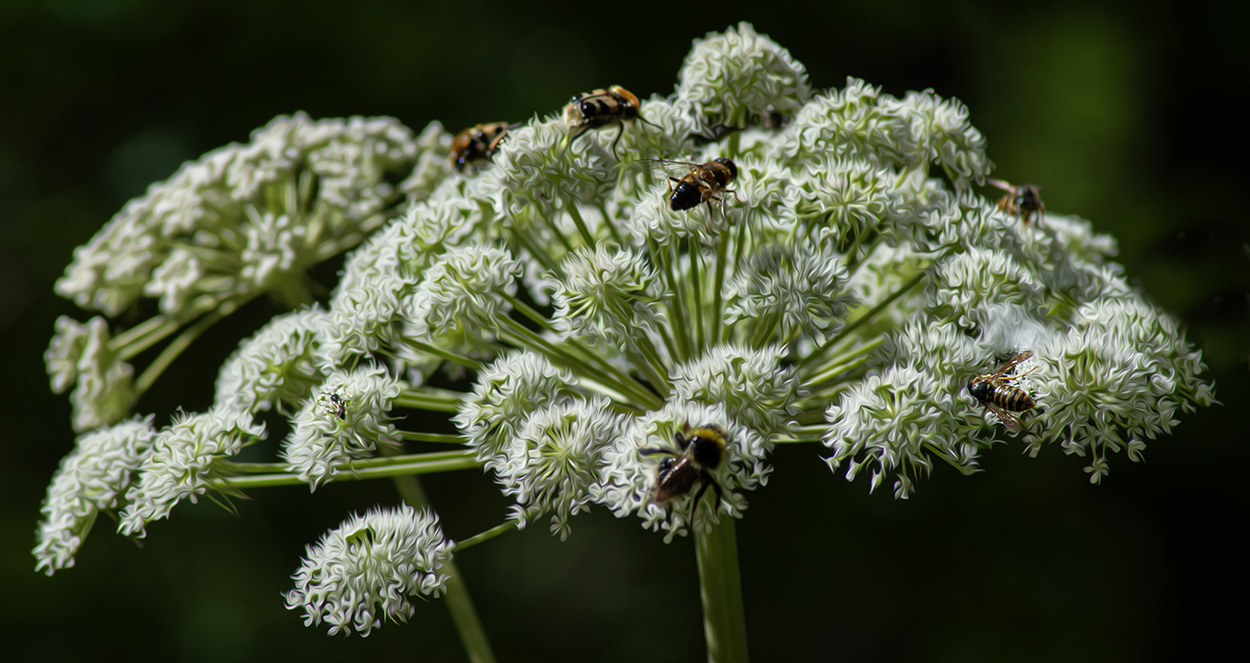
{"type": "Point", "coordinates": [1022, 200]}
{"type": "Point", "coordinates": [599, 108]}
{"type": "Point", "coordinates": [1001, 398]}
{"type": "Point", "coordinates": [702, 450]}
{"type": "Point", "coordinates": [475, 145]}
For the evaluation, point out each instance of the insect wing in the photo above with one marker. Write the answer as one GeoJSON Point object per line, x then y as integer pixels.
{"type": "Point", "coordinates": [1011, 421]}
{"type": "Point", "coordinates": [1013, 362]}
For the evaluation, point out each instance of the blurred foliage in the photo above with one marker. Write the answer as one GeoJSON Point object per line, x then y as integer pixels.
{"type": "Point", "coordinates": [1118, 113]}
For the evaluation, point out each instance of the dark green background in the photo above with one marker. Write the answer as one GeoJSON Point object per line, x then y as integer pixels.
{"type": "Point", "coordinates": [1128, 118]}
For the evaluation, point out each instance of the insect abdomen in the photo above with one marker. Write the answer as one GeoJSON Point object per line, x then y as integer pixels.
{"type": "Point", "coordinates": [1011, 399]}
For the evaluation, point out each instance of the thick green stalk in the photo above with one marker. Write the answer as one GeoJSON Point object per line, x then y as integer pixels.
{"type": "Point", "coordinates": [724, 621]}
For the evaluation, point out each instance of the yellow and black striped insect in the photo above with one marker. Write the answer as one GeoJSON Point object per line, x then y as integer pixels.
{"type": "Point", "coordinates": [702, 450]}
{"type": "Point", "coordinates": [475, 145]}
{"type": "Point", "coordinates": [1022, 200]}
{"type": "Point", "coordinates": [1003, 399]}
{"type": "Point", "coordinates": [599, 108]}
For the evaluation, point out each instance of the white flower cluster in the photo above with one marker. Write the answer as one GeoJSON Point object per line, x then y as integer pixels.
{"type": "Point", "coordinates": [91, 479]}
{"type": "Point", "coordinates": [183, 242]}
{"type": "Point", "coordinates": [365, 570]}
{"type": "Point", "coordinates": [182, 463]}
{"type": "Point", "coordinates": [344, 419]}
{"type": "Point", "coordinates": [80, 356]}
{"type": "Point", "coordinates": [837, 281]}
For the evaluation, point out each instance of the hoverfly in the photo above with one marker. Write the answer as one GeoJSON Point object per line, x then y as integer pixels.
{"type": "Point", "coordinates": [477, 144]}
{"type": "Point", "coordinates": [599, 108]}
{"type": "Point", "coordinates": [702, 450]}
{"type": "Point", "coordinates": [1021, 200]}
{"type": "Point", "coordinates": [1003, 399]}
{"type": "Point", "coordinates": [704, 183]}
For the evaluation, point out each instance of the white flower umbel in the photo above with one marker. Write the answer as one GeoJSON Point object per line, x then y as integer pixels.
{"type": "Point", "coordinates": [539, 169]}
{"type": "Point", "coordinates": [181, 464]}
{"type": "Point", "coordinates": [507, 390]}
{"type": "Point", "coordinates": [344, 419]}
{"type": "Point", "coordinates": [554, 460]}
{"type": "Point", "coordinates": [463, 294]}
{"type": "Point", "coordinates": [239, 222]}
{"type": "Point", "coordinates": [81, 356]}
{"type": "Point", "coordinates": [1121, 377]}
{"type": "Point", "coordinates": [607, 297]}
{"type": "Point", "coordinates": [365, 570]}
{"type": "Point", "coordinates": [277, 366]}
{"type": "Point", "coordinates": [220, 200]}
{"type": "Point", "coordinates": [91, 479]}
{"type": "Point", "coordinates": [788, 292]}
{"type": "Point", "coordinates": [844, 288]}
{"type": "Point", "coordinates": [629, 477]}
{"type": "Point", "coordinates": [740, 76]}
{"type": "Point", "coordinates": [752, 385]}
{"type": "Point", "coordinates": [890, 422]}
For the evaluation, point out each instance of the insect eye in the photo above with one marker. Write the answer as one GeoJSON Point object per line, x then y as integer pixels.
{"type": "Point", "coordinates": [588, 108]}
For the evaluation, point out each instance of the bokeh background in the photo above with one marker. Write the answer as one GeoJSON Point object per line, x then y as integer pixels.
{"type": "Point", "coordinates": [1126, 117]}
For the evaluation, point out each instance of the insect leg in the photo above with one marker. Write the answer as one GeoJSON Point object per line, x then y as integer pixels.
{"type": "Point", "coordinates": [1013, 377]}
{"type": "Point", "coordinates": [619, 133]}
{"type": "Point", "coordinates": [698, 497]}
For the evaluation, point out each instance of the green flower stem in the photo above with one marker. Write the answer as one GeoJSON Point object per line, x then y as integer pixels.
{"type": "Point", "coordinates": [644, 355]}
{"type": "Point", "coordinates": [526, 241]}
{"type": "Point", "coordinates": [438, 438]}
{"type": "Point", "coordinates": [529, 312]}
{"type": "Point", "coordinates": [180, 344]}
{"type": "Point", "coordinates": [454, 358]}
{"type": "Point", "coordinates": [696, 284]}
{"type": "Point", "coordinates": [555, 230]}
{"type": "Point", "coordinates": [354, 471]}
{"type": "Point", "coordinates": [724, 621]}
{"type": "Point", "coordinates": [868, 315]}
{"type": "Point", "coordinates": [459, 602]}
{"type": "Point", "coordinates": [843, 363]}
{"type": "Point", "coordinates": [131, 342]}
{"type": "Point", "coordinates": [363, 463]}
{"type": "Point", "coordinates": [578, 221]}
{"type": "Point", "coordinates": [613, 378]}
{"type": "Point", "coordinates": [616, 234]}
{"type": "Point", "coordinates": [680, 329]}
{"type": "Point", "coordinates": [485, 536]}
{"type": "Point", "coordinates": [428, 399]}
{"type": "Point", "coordinates": [718, 304]}
{"type": "Point", "coordinates": [936, 451]}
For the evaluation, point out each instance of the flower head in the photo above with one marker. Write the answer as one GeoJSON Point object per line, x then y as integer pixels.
{"type": "Point", "coordinates": [346, 418]}
{"type": "Point", "coordinates": [628, 485]}
{"type": "Point", "coordinates": [91, 479]}
{"type": "Point", "coordinates": [737, 76]}
{"type": "Point", "coordinates": [364, 570]}
{"type": "Point", "coordinates": [182, 462]}
{"type": "Point", "coordinates": [80, 355]}
{"type": "Point", "coordinates": [555, 458]}
{"type": "Point", "coordinates": [516, 384]}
